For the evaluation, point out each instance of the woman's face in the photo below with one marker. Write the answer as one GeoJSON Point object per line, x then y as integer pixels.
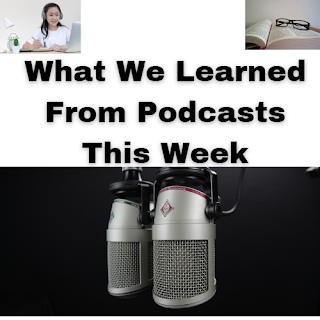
{"type": "Point", "coordinates": [53, 17]}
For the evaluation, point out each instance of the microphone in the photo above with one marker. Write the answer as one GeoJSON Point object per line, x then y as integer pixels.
{"type": "Point", "coordinates": [129, 237]}
{"type": "Point", "coordinates": [184, 236]}
{"type": "Point", "coordinates": [313, 172]}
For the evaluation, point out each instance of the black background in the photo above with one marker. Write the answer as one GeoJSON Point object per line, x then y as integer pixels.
{"type": "Point", "coordinates": [53, 248]}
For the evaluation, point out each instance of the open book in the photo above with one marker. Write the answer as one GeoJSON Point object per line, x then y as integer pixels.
{"type": "Point", "coordinates": [264, 35]}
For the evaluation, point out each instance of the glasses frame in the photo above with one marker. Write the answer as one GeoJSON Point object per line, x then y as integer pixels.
{"type": "Point", "coordinates": [295, 23]}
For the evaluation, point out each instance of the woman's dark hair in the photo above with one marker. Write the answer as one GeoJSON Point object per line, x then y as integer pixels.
{"type": "Point", "coordinates": [45, 25]}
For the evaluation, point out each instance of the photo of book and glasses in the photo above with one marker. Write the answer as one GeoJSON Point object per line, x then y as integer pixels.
{"type": "Point", "coordinates": [270, 26]}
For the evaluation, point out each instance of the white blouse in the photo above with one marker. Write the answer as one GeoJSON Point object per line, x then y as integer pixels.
{"type": "Point", "coordinates": [60, 37]}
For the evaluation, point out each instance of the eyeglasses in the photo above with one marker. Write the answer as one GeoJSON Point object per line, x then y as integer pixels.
{"type": "Point", "coordinates": [298, 24]}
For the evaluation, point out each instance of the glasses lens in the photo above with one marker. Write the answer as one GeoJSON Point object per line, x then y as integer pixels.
{"type": "Point", "coordinates": [282, 22]}
{"type": "Point", "coordinates": [305, 23]}
{"type": "Point", "coordinates": [301, 26]}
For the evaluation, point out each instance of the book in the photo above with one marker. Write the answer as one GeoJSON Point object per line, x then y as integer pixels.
{"type": "Point", "coordinates": [264, 35]}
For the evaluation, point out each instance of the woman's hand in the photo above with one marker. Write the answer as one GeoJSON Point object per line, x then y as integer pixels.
{"type": "Point", "coordinates": [56, 47]}
{"type": "Point", "coordinates": [36, 45]}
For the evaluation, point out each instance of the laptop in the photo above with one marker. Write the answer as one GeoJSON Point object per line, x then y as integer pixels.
{"type": "Point", "coordinates": [75, 38]}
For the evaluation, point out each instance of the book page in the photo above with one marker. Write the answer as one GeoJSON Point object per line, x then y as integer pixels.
{"type": "Point", "coordinates": [259, 30]}
{"type": "Point", "coordinates": [289, 32]}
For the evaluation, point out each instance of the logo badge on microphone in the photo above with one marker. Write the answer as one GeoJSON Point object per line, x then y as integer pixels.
{"type": "Point", "coordinates": [166, 208]}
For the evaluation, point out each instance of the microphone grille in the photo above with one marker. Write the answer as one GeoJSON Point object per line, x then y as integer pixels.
{"type": "Point", "coordinates": [180, 268]}
{"type": "Point", "coordinates": [150, 260]}
{"type": "Point", "coordinates": [123, 264]}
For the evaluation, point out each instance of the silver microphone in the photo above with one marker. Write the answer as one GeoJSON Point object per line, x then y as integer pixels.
{"type": "Point", "coordinates": [129, 242]}
{"type": "Point", "coordinates": [184, 236]}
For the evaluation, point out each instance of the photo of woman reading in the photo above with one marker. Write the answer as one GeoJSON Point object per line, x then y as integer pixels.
{"type": "Point", "coordinates": [52, 34]}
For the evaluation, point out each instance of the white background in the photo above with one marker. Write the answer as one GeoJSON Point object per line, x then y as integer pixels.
{"type": "Point", "coordinates": [308, 10]}
{"type": "Point", "coordinates": [161, 33]}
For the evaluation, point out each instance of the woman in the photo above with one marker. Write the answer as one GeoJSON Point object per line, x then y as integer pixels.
{"type": "Point", "coordinates": [52, 34]}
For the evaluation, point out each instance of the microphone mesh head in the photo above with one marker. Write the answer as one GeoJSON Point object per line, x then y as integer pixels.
{"type": "Point", "coordinates": [180, 268]}
{"type": "Point", "coordinates": [123, 264]}
{"type": "Point", "coordinates": [150, 260]}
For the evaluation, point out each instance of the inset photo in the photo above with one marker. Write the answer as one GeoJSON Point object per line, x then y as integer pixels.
{"type": "Point", "coordinates": [282, 24]}
{"type": "Point", "coordinates": [158, 242]}
{"type": "Point", "coordinates": [38, 27]}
